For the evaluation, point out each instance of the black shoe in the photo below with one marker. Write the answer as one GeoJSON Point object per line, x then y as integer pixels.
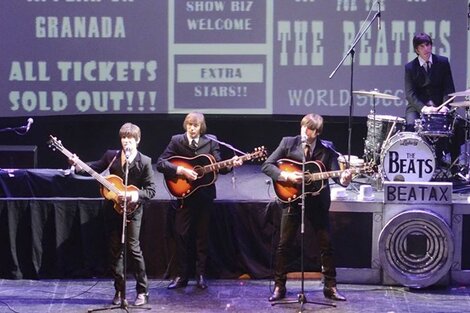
{"type": "Point", "coordinates": [201, 282]}
{"type": "Point", "coordinates": [178, 282]}
{"type": "Point", "coordinates": [333, 294]}
{"type": "Point", "coordinates": [117, 298]}
{"type": "Point", "coordinates": [278, 294]}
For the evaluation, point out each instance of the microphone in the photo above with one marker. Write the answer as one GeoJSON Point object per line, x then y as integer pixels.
{"type": "Point", "coordinates": [127, 152]}
{"type": "Point", "coordinates": [378, 16]}
{"type": "Point", "coordinates": [28, 126]}
{"type": "Point", "coordinates": [303, 138]}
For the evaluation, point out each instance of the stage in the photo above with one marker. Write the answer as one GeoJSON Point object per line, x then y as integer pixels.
{"type": "Point", "coordinates": [238, 295]}
{"type": "Point", "coordinates": [51, 227]}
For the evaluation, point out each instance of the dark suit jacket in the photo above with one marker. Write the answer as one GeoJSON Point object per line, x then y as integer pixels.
{"type": "Point", "coordinates": [140, 171]}
{"type": "Point", "coordinates": [180, 146]}
{"type": "Point", "coordinates": [421, 87]}
{"type": "Point", "coordinates": [291, 148]}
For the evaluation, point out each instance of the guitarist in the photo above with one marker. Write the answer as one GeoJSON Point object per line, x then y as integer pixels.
{"type": "Point", "coordinates": [140, 175]}
{"type": "Point", "coordinates": [193, 212]}
{"type": "Point", "coordinates": [316, 206]}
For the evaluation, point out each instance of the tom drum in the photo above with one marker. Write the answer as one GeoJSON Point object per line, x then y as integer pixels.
{"type": "Point", "coordinates": [378, 130]}
{"type": "Point", "coordinates": [435, 124]}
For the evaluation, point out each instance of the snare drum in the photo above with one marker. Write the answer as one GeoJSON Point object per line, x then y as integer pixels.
{"type": "Point", "coordinates": [407, 157]}
{"type": "Point", "coordinates": [378, 130]}
{"type": "Point", "coordinates": [436, 124]}
{"type": "Point", "coordinates": [354, 162]}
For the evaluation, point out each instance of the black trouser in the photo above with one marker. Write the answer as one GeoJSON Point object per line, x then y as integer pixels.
{"type": "Point", "coordinates": [192, 234]}
{"type": "Point", "coordinates": [290, 222]}
{"type": "Point", "coordinates": [134, 255]}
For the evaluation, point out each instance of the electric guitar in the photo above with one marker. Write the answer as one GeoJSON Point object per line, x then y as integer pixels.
{"type": "Point", "coordinates": [111, 185]}
{"type": "Point", "coordinates": [315, 179]}
{"type": "Point", "coordinates": [206, 168]}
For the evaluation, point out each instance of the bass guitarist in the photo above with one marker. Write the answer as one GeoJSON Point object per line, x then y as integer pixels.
{"type": "Point", "coordinates": [193, 211]}
{"type": "Point", "coordinates": [141, 176]}
{"type": "Point", "coordinates": [317, 205]}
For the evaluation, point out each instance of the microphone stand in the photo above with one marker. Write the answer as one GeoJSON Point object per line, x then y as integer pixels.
{"type": "Point", "coordinates": [235, 150]}
{"type": "Point", "coordinates": [124, 304]}
{"type": "Point", "coordinates": [301, 298]}
{"type": "Point", "coordinates": [20, 130]}
{"type": "Point", "coordinates": [351, 52]}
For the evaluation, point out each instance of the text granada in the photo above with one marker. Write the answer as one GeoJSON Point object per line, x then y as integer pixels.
{"type": "Point", "coordinates": [80, 27]}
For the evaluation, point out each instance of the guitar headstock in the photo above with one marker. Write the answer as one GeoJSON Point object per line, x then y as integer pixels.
{"type": "Point", "coordinates": [55, 143]}
{"type": "Point", "coordinates": [259, 153]}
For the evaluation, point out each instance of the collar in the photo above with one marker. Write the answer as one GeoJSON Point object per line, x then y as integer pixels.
{"type": "Point", "coordinates": [422, 61]}
{"type": "Point", "coordinates": [191, 139]}
{"type": "Point", "coordinates": [131, 157]}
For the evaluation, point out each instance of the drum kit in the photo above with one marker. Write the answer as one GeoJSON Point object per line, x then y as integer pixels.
{"type": "Point", "coordinates": [399, 155]}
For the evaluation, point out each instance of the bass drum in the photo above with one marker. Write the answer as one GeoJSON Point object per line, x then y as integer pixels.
{"type": "Point", "coordinates": [407, 157]}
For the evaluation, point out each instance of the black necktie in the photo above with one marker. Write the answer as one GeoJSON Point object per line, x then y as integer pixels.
{"type": "Point", "coordinates": [427, 67]}
{"type": "Point", "coordinates": [307, 152]}
{"type": "Point", "coordinates": [193, 144]}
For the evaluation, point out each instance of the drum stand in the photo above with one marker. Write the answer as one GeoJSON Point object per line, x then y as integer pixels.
{"type": "Point", "coordinates": [466, 166]}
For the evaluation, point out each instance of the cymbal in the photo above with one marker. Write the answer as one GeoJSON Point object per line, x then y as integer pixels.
{"type": "Point", "coordinates": [376, 94]}
{"type": "Point", "coordinates": [461, 93]}
{"type": "Point", "coordinates": [461, 104]}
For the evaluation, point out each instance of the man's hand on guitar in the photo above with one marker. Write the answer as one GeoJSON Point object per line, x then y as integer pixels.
{"type": "Point", "coordinates": [293, 177]}
{"type": "Point", "coordinates": [132, 196]}
{"type": "Point", "coordinates": [189, 174]}
{"type": "Point", "coordinates": [345, 178]}
{"type": "Point", "coordinates": [236, 161]}
{"type": "Point", "coordinates": [73, 162]}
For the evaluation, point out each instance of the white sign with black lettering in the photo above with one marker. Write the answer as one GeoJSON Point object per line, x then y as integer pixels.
{"type": "Point", "coordinates": [418, 192]}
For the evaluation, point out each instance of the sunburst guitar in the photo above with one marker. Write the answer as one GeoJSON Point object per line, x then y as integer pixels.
{"type": "Point", "coordinates": [316, 177]}
{"type": "Point", "coordinates": [206, 168]}
{"type": "Point", "coordinates": [111, 185]}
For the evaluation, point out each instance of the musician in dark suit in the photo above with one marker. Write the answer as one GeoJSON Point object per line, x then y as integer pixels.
{"type": "Point", "coordinates": [140, 175]}
{"type": "Point", "coordinates": [316, 206]}
{"type": "Point", "coordinates": [428, 83]}
{"type": "Point", "coordinates": [192, 212]}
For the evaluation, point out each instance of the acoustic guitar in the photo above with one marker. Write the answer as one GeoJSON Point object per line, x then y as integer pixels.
{"type": "Point", "coordinates": [315, 175]}
{"type": "Point", "coordinates": [206, 168]}
{"type": "Point", "coordinates": [111, 185]}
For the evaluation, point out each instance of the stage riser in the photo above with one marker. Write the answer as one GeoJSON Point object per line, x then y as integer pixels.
{"type": "Point", "coordinates": [243, 235]}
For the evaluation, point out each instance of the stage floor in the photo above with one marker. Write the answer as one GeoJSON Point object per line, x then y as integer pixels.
{"type": "Point", "coordinates": [70, 296]}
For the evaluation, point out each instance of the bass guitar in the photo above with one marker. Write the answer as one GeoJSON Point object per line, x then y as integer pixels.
{"type": "Point", "coordinates": [111, 185]}
{"type": "Point", "coordinates": [315, 177]}
{"type": "Point", "coordinates": [206, 168]}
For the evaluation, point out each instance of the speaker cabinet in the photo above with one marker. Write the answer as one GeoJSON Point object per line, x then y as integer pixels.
{"type": "Point", "coordinates": [18, 156]}
{"type": "Point", "coordinates": [416, 244]}
{"type": "Point", "coordinates": [460, 271]}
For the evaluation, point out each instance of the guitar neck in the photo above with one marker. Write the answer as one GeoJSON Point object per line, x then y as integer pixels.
{"type": "Point", "coordinates": [223, 164]}
{"type": "Point", "coordinates": [332, 174]}
{"type": "Point", "coordinates": [102, 180]}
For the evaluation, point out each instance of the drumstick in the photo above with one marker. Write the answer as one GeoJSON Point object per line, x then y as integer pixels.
{"type": "Point", "coordinates": [391, 130]}
{"type": "Point", "coordinates": [448, 100]}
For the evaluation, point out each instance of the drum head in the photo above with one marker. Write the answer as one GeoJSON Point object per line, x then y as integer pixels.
{"type": "Point", "coordinates": [407, 157]}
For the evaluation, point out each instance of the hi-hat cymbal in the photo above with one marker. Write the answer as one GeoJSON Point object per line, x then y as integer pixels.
{"type": "Point", "coordinates": [461, 104]}
{"type": "Point", "coordinates": [376, 94]}
{"type": "Point", "coordinates": [461, 93]}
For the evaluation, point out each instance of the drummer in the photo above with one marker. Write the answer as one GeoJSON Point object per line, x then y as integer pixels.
{"type": "Point", "coordinates": [428, 83]}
